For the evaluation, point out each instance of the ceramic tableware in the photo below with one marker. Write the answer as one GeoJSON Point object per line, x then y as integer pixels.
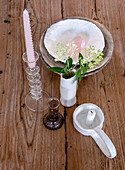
{"type": "Point", "coordinates": [94, 129]}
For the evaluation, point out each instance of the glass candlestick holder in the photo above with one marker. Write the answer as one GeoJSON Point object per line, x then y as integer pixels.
{"type": "Point", "coordinates": [36, 99]}
{"type": "Point", "coordinates": [53, 119]}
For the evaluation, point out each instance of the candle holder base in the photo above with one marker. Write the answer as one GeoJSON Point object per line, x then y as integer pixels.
{"type": "Point", "coordinates": [37, 105]}
{"type": "Point", "coordinates": [53, 125]}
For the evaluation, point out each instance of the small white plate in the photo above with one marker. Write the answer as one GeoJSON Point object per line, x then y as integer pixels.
{"type": "Point", "coordinates": [66, 30]}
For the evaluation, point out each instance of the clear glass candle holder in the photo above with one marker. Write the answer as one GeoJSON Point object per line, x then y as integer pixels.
{"type": "Point", "coordinates": [53, 119]}
{"type": "Point", "coordinates": [36, 99]}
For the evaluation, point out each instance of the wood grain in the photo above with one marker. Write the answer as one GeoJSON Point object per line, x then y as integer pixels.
{"type": "Point", "coordinates": [107, 90]}
{"type": "Point", "coordinates": [24, 141]}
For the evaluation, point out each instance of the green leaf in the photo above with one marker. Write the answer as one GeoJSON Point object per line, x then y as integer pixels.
{"type": "Point", "coordinates": [57, 69]}
{"type": "Point", "coordinates": [86, 65]}
{"type": "Point", "coordinates": [65, 69]}
{"type": "Point", "coordinates": [80, 56]}
{"type": "Point", "coordinates": [80, 78]}
{"type": "Point", "coordinates": [69, 62]}
{"type": "Point", "coordinates": [84, 70]}
{"type": "Point", "coordinates": [78, 74]}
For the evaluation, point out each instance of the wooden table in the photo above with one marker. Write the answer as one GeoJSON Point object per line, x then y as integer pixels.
{"type": "Point", "coordinates": [24, 141]}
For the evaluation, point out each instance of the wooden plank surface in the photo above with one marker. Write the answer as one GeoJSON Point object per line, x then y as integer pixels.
{"type": "Point", "coordinates": [106, 89]}
{"type": "Point", "coordinates": [24, 141]}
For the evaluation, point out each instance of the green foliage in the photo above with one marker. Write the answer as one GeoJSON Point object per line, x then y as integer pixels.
{"type": "Point", "coordinates": [82, 68]}
{"type": "Point", "coordinates": [57, 69]}
{"type": "Point", "coordinates": [94, 58]}
{"type": "Point", "coordinates": [78, 75]}
{"type": "Point", "coordinates": [69, 62]}
{"type": "Point", "coordinates": [66, 69]}
{"type": "Point", "coordinates": [63, 51]}
{"type": "Point", "coordinates": [90, 60]}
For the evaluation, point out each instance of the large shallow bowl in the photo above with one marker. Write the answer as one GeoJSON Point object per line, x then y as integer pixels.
{"type": "Point", "coordinates": [66, 30]}
{"type": "Point", "coordinates": [49, 60]}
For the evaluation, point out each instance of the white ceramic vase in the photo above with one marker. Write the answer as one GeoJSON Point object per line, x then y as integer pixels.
{"type": "Point", "coordinates": [68, 91]}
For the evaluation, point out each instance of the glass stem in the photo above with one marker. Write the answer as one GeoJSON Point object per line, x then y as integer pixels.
{"type": "Point", "coordinates": [34, 82]}
{"type": "Point", "coordinates": [53, 115]}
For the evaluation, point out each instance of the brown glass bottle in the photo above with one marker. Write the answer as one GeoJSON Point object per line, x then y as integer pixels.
{"type": "Point", "coordinates": [53, 119]}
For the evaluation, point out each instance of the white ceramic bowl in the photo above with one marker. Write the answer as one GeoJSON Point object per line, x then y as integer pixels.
{"type": "Point", "coordinates": [65, 30]}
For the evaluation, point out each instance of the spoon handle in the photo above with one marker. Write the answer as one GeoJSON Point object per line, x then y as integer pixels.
{"type": "Point", "coordinates": [104, 143]}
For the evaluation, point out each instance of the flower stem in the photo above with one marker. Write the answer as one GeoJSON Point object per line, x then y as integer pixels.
{"type": "Point", "coordinates": [74, 66]}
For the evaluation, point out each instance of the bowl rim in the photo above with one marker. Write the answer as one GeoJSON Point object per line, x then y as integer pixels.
{"type": "Point", "coordinates": [68, 19]}
{"type": "Point", "coordinates": [48, 60]}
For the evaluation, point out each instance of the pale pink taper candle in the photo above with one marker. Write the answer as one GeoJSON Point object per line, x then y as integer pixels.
{"type": "Point", "coordinates": [28, 40]}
